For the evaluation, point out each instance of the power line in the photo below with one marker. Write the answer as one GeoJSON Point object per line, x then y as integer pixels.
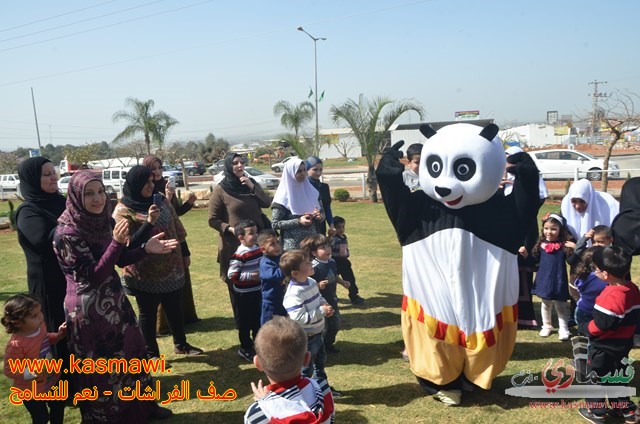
{"type": "Point", "coordinates": [108, 26]}
{"type": "Point", "coordinates": [81, 21]}
{"type": "Point", "coordinates": [56, 16]}
{"type": "Point", "coordinates": [202, 46]}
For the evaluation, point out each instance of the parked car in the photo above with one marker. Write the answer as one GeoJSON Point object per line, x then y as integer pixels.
{"type": "Point", "coordinates": [266, 181]}
{"type": "Point", "coordinates": [192, 167]}
{"type": "Point", "coordinates": [63, 184]}
{"type": "Point", "coordinates": [216, 167]}
{"type": "Point", "coordinates": [113, 179]}
{"type": "Point", "coordinates": [278, 167]}
{"type": "Point", "coordinates": [170, 171]}
{"type": "Point", "coordinates": [9, 181]}
{"type": "Point", "coordinates": [562, 163]}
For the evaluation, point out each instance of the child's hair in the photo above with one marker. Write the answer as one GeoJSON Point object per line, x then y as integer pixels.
{"type": "Point", "coordinates": [266, 235]}
{"type": "Point", "coordinates": [281, 345]}
{"type": "Point", "coordinates": [602, 230]}
{"type": "Point", "coordinates": [16, 309]}
{"type": "Point", "coordinates": [241, 226]}
{"type": "Point", "coordinates": [585, 266]}
{"type": "Point", "coordinates": [412, 150]}
{"type": "Point", "coordinates": [337, 220]}
{"type": "Point", "coordinates": [563, 236]}
{"type": "Point", "coordinates": [312, 243]}
{"type": "Point", "coordinates": [613, 260]}
{"type": "Point", "coordinates": [291, 261]}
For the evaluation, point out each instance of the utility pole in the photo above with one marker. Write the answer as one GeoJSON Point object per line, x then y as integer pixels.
{"type": "Point", "coordinates": [595, 96]}
{"type": "Point", "coordinates": [36, 116]}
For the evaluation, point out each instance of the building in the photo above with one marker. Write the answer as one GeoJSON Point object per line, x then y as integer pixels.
{"type": "Point", "coordinates": [411, 134]}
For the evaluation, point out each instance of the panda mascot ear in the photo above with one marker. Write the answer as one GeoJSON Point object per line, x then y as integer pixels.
{"type": "Point", "coordinates": [427, 131]}
{"type": "Point", "coordinates": [489, 132]}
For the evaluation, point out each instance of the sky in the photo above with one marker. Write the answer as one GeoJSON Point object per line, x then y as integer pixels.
{"type": "Point", "coordinates": [219, 66]}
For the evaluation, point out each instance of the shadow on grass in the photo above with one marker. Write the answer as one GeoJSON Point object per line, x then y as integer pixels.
{"type": "Point", "coordinates": [526, 351]}
{"type": "Point", "coordinates": [354, 353]}
{"type": "Point", "coordinates": [381, 300]}
{"type": "Point", "coordinates": [6, 295]}
{"type": "Point", "coordinates": [212, 324]}
{"type": "Point", "coordinates": [350, 416]}
{"type": "Point", "coordinates": [396, 395]}
{"type": "Point", "coordinates": [208, 417]}
{"type": "Point", "coordinates": [371, 319]}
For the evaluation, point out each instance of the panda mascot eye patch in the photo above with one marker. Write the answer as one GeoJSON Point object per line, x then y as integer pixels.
{"type": "Point", "coordinates": [434, 166]}
{"type": "Point", "coordinates": [464, 169]}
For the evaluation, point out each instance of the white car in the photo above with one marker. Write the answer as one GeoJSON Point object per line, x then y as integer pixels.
{"type": "Point", "coordinates": [266, 181]}
{"type": "Point", "coordinates": [562, 163]}
{"type": "Point", "coordinates": [63, 184]}
{"type": "Point", "coordinates": [278, 167]}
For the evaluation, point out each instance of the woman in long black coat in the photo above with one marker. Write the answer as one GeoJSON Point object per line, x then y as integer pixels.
{"type": "Point", "coordinates": [36, 218]}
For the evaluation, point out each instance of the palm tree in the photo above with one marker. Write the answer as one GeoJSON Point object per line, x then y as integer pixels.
{"type": "Point", "coordinates": [141, 121]}
{"type": "Point", "coordinates": [370, 125]}
{"type": "Point", "coordinates": [294, 116]}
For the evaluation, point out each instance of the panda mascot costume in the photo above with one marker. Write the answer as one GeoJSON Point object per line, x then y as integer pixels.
{"type": "Point", "coordinates": [460, 237]}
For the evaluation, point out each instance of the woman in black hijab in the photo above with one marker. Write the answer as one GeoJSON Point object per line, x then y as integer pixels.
{"type": "Point", "coordinates": [36, 218]}
{"type": "Point", "coordinates": [626, 225]}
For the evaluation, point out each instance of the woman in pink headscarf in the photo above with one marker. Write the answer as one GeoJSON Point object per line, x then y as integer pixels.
{"type": "Point", "coordinates": [584, 208]}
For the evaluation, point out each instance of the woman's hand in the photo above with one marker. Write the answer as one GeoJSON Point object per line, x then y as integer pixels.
{"type": "Point", "coordinates": [306, 219]}
{"type": "Point", "coordinates": [331, 231]}
{"type": "Point", "coordinates": [317, 215]}
{"type": "Point", "coordinates": [121, 231]}
{"type": "Point", "coordinates": [247, 181]}
{"type": "Point", "coordinates": [154, 214]}
{"type": "Point", "coordinates": [192, 198]}
{"type": "Point", "coordinates": [169, 191]}
{"type": "Point", "coordinates": [523, 251]}
{"type": "Point", "coordinates": [160, 247]}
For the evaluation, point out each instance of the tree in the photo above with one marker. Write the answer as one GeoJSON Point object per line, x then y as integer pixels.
{"type": "Point", "coordinates": [133, 148]}
{"type": "Point", "coordinates": [620, 116]}
{"type": "Point", "coordinates": [83, 154]}
{"type": "Point", "coordinates": [8, 163]}
{"type": "Point", "coordinates": [301, 147]}
{"type": "Point", "coordinates": [370, 126]}
{"type": "Point", "coordinates": [294, 117]}
{"type": "Point", "coordinates": [344, 147]}
{"type": "Point", "coordinates": [214, 148]}
{"type": "Point", "coordinates": [153, 126]}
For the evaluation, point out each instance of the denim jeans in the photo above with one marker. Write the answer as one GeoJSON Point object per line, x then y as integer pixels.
{"type": "Point", "coordinates": [315, 368]}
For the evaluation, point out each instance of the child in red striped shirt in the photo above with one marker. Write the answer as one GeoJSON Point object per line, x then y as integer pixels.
{"type": "Point", "coordinates": [281, 351]}
{"type": "Point", "coordinates": [23, 319]}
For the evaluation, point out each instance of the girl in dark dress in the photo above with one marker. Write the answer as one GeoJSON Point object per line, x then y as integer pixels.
{"type": "Point", "coordinates": [551, 284]}
{"type": "Point", "coordinates": [36, 219]}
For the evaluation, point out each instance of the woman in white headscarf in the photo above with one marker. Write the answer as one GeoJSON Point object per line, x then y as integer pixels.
{"type": "Point", "coordinates": [295, 207]}
{"type": "Point", "coordinates": [584, 208]}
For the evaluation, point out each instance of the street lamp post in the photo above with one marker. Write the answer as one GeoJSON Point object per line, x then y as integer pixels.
{"type": "Point", "coordinates": [315, 56]}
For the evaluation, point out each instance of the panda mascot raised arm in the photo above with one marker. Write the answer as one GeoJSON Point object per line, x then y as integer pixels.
{"type": "Point", "coordinates": [460, 237]}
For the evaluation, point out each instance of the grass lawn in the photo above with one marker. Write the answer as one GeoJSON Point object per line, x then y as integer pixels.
{"type": "Point", "coordinates": [378, 385]}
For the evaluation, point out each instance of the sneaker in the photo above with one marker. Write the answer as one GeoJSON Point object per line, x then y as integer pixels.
{"type": "Point", "coordinates": [563, 337]}
{"type": "Point", "coordinates": [545, 332]}
{"type": "Point", "coordinates": [449, 397]}
{"type": "Point", "coordinates": [246, 354]}
{"type": "Point", "coordinates": [357, 300]}
{"type": "Point", "coordinates": [405, 356]}
{"type": "Point", "coordinates": [628, 418]}
{"type": "Point", "coordinates": [590, 416]}
{"type": "Point", "coordinates": [332, 349]}
{"type": "Point", "coordinates": [335, 393]}
{"type": "Point", "coordinates": [161, 413]}
{"type": "Point", "coordinates": [187, 349]}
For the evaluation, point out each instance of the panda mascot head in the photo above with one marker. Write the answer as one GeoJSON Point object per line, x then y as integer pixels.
{"type": "Point", "coordinates": [461, 164]}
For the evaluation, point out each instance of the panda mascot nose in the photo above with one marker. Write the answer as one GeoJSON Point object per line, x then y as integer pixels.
{"type": "Point", "coordinates": [443, 191]}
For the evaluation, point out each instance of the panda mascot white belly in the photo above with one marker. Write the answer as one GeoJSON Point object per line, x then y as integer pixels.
{"type": "Point", "coordinates": [460, 236]}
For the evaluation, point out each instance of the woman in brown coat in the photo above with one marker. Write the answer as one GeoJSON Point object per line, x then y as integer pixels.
{"type": "Point", "coordinates": [236, 198]}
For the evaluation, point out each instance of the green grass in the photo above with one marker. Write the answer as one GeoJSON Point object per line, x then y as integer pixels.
{"type": "Point", "coordinates": [379, 387]}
